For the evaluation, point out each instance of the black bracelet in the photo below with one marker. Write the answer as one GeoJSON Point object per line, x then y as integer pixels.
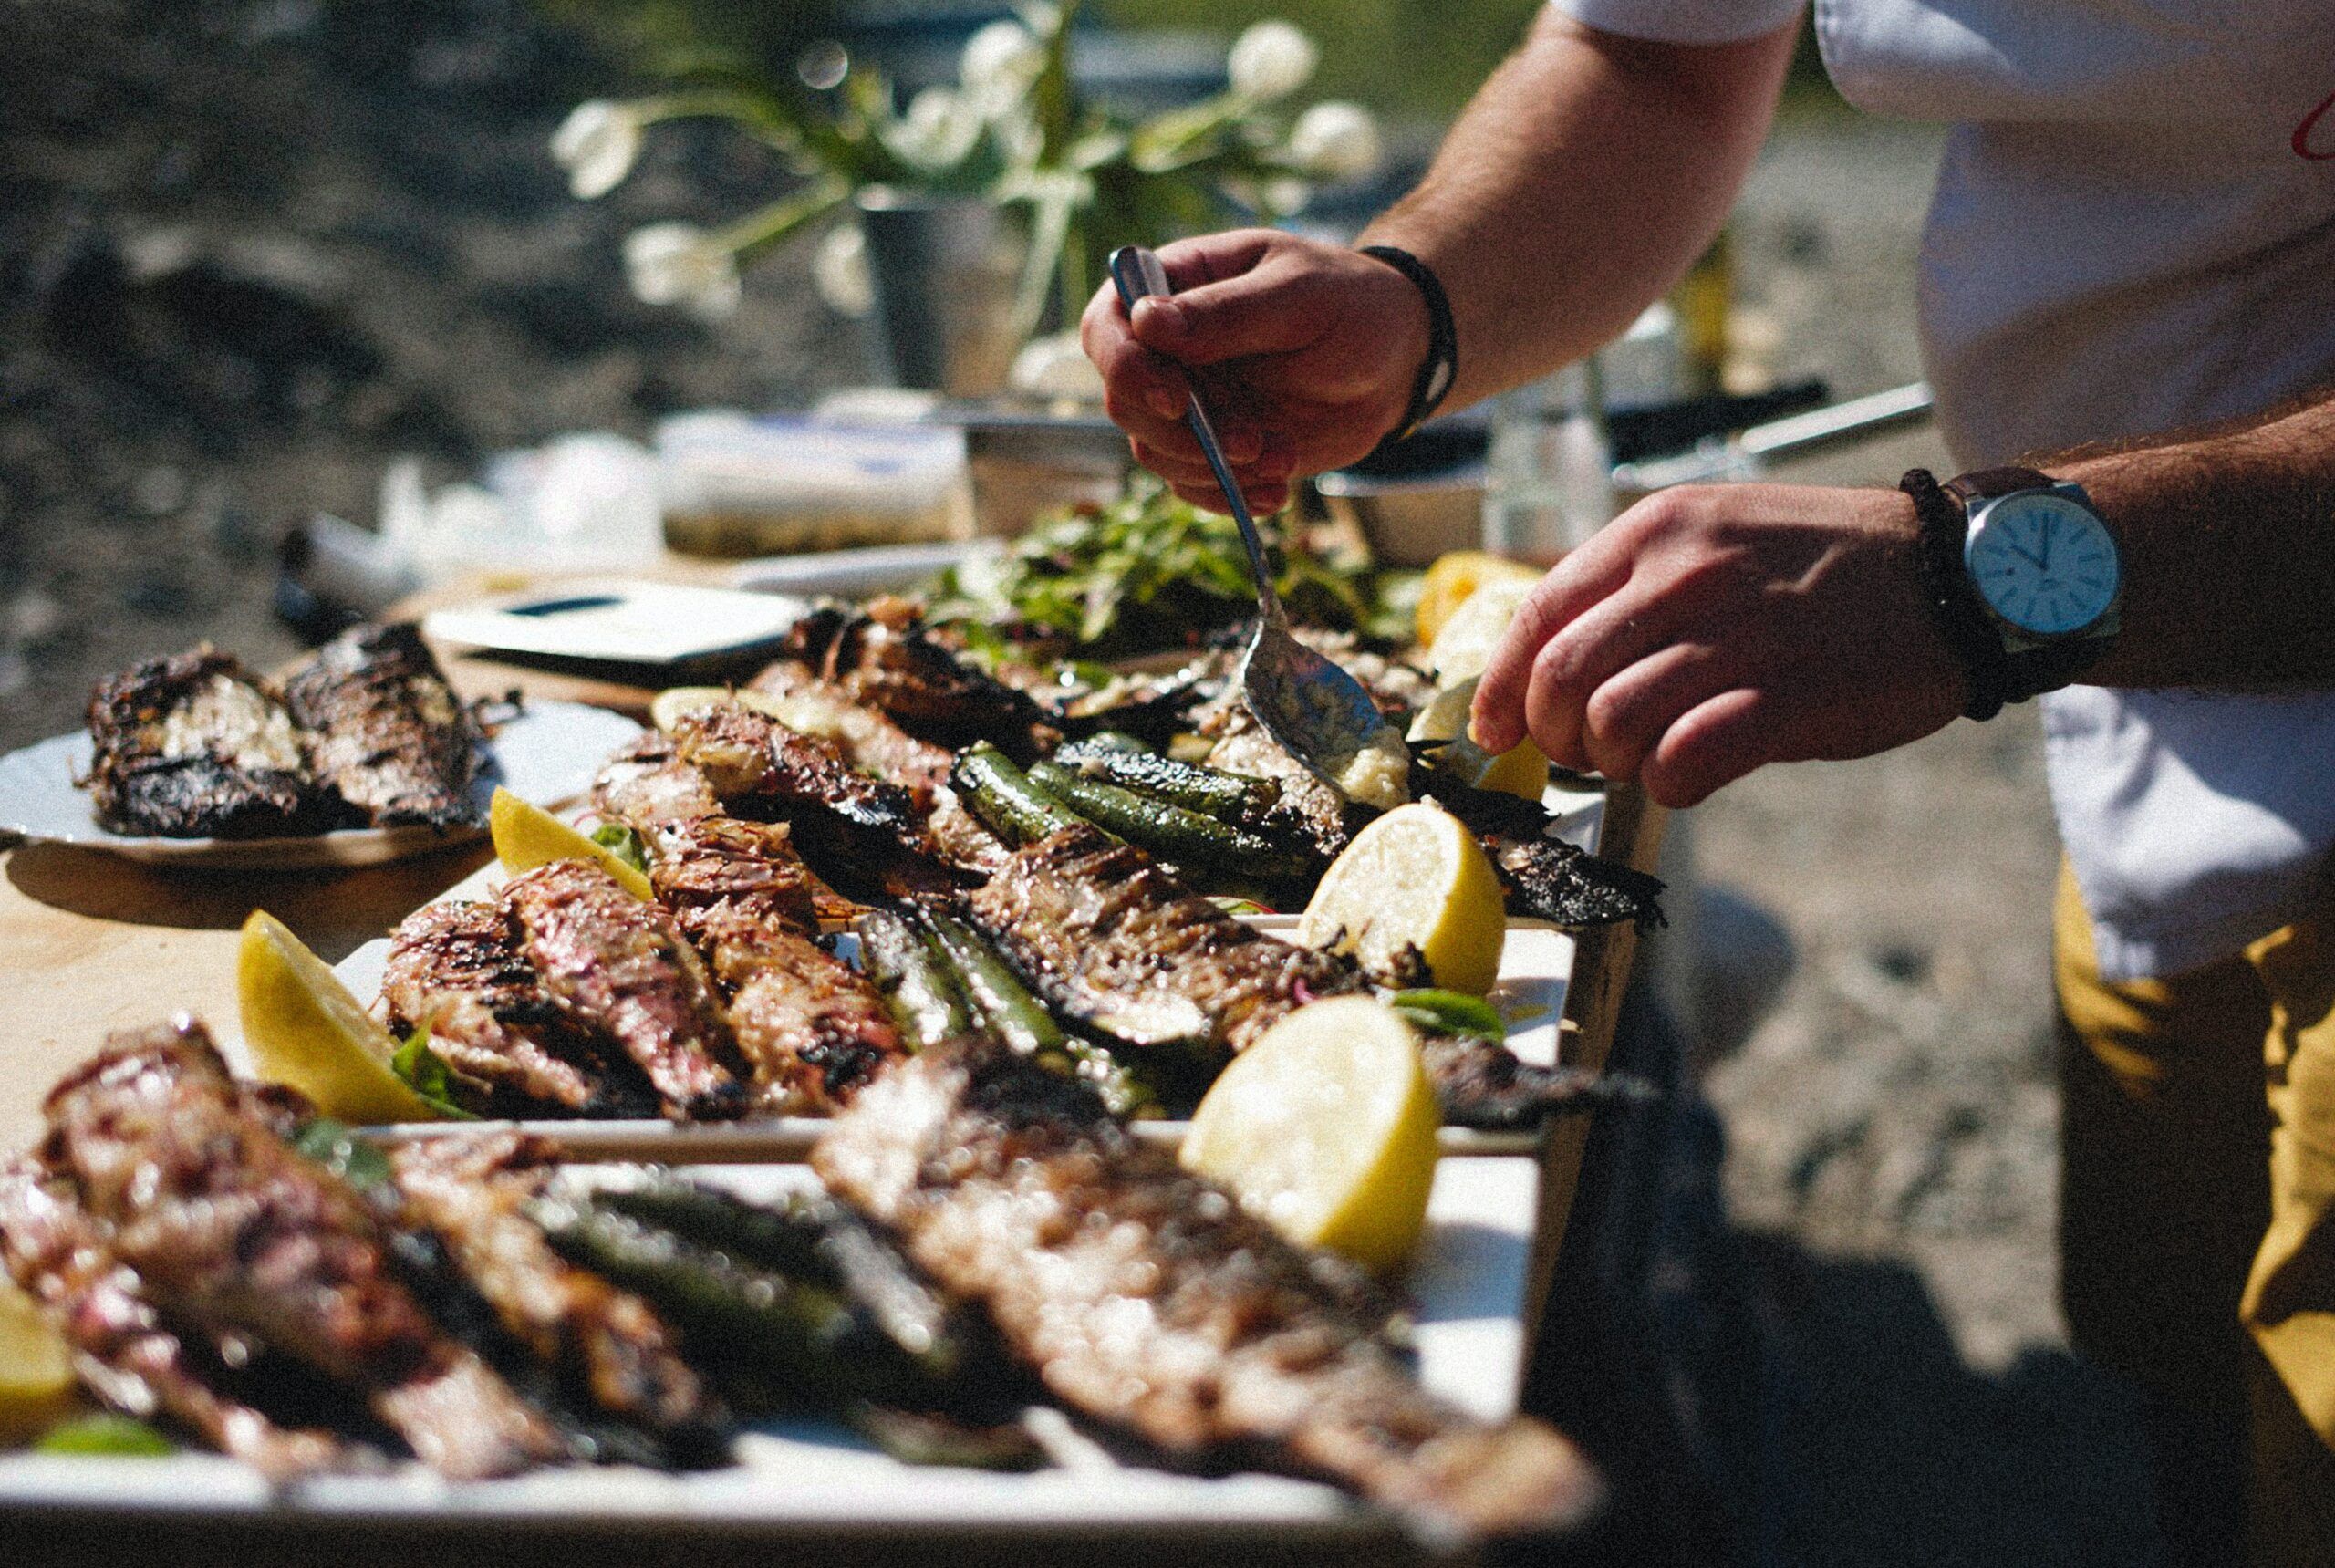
{"type": "Point", "coordinates": [1441, 367]}
{"type": "Point", "coordinates": [1945, 584]}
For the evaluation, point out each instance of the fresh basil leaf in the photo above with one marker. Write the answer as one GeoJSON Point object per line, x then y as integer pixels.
{"type": "Point", "coordinates": [343, 1153]}
{"type": "Point", "coordinates": [426, 1073]}
{"type": "Point", "coordinates": [1449, 1013]}
{"type": "Point", "coordinates": [123, 1437]}
{"type": "Point", "coordinates": [624, 844]}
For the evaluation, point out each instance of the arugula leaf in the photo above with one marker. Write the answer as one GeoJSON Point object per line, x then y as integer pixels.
{"type": "Point", "coordinates": [624, 844]}
{"type": "Point", "coordinates": [343, 1153]}
{"type": "Point", "coordinates": [426, 1073]}
{"type": "Point", "coordinates": [1449, 1013]}
{"type": "Point", "coordinates": [121, 1436]}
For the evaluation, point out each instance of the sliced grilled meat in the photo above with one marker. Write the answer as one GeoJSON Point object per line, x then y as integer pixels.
{"type": "Point", "coordinates": [230, 1228]}
{"type": "Point", "coordinates": [58, 1254]}
{"type": "Point", "coordinates": [385, 729]}
{"type": "Point", "coordinates": [472, 1194]}
{"type": "Point", "coordinates": [192, 746]}
{"type": "Point", "coordinates": [621, 968]}
{"type": "Point", "coordinates": [883, 656]}
{"type": "Point", "coordinates": [458, 970]}
{"type": "Point", "coordinates": [749, 756]}
{"type": "Point", "coordinates": [813, 1028]}
{"type": "Point", "coordinates": [1145, 1298]}
{"type": "Point", "coordinates": [1109, 939]}
{"type": "Point", "coordinates": [1546, 877]}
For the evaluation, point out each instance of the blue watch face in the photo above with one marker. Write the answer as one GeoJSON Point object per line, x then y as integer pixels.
{"type": "Point", "coordinates": [2043, 562]}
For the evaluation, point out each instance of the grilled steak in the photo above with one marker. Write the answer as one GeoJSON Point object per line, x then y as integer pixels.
{"type": "Point", "coordinates": [192, 746]}
{"type": "Point", "coordinates": [621, 968]}
{"type": "Point", "coordinates": [1144, 1297]}
{"type": "Point", "coordinates": [881, 656]}
{"type": "Point", "coordinates": [386, 730]}
{"type": "Point", "coordinates": [1109, 939]}
{"type": "Point", "coordinates": [813, 1028]}
{"type": "Point", "coordinates": [472, 1194]}
{"type": "Point", "coordinates": [231, 1229]}
{"type": "Point", "coordinates": [457, 969]}
{"type": "Point", "coordinates": [1545, 878]}
{"type": "Point", "coordinates": [58, 1254]}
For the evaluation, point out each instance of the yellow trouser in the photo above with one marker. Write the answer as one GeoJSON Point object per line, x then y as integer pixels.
{"type": "Point", "coordinates": [2197, 1212]}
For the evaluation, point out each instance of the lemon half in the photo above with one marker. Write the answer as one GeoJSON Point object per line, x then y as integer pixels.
{"type": "Point", "coordinates": [1456, 576]}
{"type": "Point", "coordinates": [305, 1028]}
{"type": "Point", "coordinates": [1520, 770]}
{"type": "Point", "coordinates": [526, 836]}
{"type": "Point", "coordinates": [1324, 1129]}
{"type": "Point", "coordinates": [35, 1369]}
{"type": "Point", "coordinates": [1414, 877]}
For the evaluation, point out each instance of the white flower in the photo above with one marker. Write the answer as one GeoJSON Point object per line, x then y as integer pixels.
{"type": "Point", "coordinates": [597, 144]}
{"type": "Point", "coordinates": [839, 268]}
{"type": "Point", "coordinates": [936, 132]}
{"type": "Point", "coordinates": [1286, 197]}
{"type": "Point", "coordinates": [1335, 142]}
{"type": "Point", "coordinates": [1000, 63]}
{"type": "Point", "coordinates": [1057, 366]}
{"type": "Point", "coordinates": [680, 263]}
{"type": "Point", "coordinates": [1272, 60]}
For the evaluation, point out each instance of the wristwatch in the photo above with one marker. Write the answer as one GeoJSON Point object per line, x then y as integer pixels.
{"type": "Point", "coordinates": [2026, 576]}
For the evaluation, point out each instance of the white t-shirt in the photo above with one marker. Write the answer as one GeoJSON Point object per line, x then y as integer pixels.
{"type": "Point", "coordinates": [2134, 231]}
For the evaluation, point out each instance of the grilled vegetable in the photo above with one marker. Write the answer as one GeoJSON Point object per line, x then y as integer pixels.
{"type": "Point", "coordinates": [1186, 838]}
{"type": "Point", "coordinates": [1228, 797]}
{"type": "Point", "coordinates": [1020, 1018]}
{"type": "Point", "coordinates": [1002, 796]}
{"type": "Point", "coordinates": [914, 979]}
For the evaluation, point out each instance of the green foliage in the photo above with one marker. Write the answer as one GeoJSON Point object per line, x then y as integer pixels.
{"type": "Point", "coordinates": [343, 1153]}
{"type": "Point", "coordinates": [426, 1073]}
{"type": "Point", "coordinates": [118, 1436]}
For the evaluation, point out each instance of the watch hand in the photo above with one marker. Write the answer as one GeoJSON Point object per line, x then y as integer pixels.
{"type": "Point", "coordinates": [2037, 562]}
{"type": "Point", "coordinates": [2043, 537]}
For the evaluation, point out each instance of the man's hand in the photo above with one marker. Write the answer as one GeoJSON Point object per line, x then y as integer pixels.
{"type": "Point", "coordinates": [1711, 629]}
{"type": "Point", "coordinates": [1304, 353]}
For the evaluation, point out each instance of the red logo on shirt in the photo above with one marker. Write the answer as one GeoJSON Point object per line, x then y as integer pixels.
{"type": "Point", "coordinates": [2323, 149]}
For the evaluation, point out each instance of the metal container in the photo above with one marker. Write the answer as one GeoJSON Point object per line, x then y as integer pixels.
{"type": "Point", "coordinates": [945, 269]}
{"type": "Point", "coordinates": [1408, 520]}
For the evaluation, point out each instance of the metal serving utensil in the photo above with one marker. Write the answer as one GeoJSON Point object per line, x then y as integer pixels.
{"type": "Point", "coordinates": [1318, 712]}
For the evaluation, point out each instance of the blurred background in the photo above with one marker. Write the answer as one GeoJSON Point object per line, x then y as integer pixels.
{"type": "Point", "coordinates": [252, 251]}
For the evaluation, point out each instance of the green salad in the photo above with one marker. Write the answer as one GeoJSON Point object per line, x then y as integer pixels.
{"type": "Point", "coordinates": [1149, 572]}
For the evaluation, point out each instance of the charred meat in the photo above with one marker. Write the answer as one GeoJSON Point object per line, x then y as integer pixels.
{"type": "Point", "coordinates": [883, 656]}
{"type": "Point", "coordinates": [192, 746]}
{"type": "Point", "coordinates": [1545, 878]}
{"type": "Point", "coordinates": [1143, 1297]}
{"type": "Point", "coordinates": [233, 1230]}
{"type": "Point", "coordinates": [385, 730]}
{"type": "Point", "coordinates": [457, 969]}
{"type": "Point", "coordinates": [621, 968]}
{"type": "Point", "coordinates": [813, 1028]}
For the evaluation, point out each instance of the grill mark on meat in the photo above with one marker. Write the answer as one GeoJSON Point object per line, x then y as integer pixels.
{"type": "Point", "coordinates": [1544, 877]}
{"type": "Point", "coordinates": [746, 755]}
{"type": "Point", "coordinates": [232, 1229]}
{"type": "Point", "coordinates": [457, 969]}
{"type": "Point", "coordinates": [882, 656]}
{"type": "Point", "coordinates": [472, 1195]}
{"type": "Point", "coordinates": [1108, 939]}
{"type": "Point", "coordinates": [194, 746]}
{"type": "Point", "coordinates": [58, 1255]}
{"type": "Point", "coordinates": [1144, 1297]}
{"type": "Point", "coordinates": [385, 729]}
{"type": "Point", "coordinates": [813, 1028]}
{"type": "Point", "coordinates": [622, 968]}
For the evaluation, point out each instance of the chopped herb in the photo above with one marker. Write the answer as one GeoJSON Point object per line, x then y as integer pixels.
{"type": "Point", "coordinates": [426, 1073]}
{"type": "Point", "coordinates": [624, 844]}
{"type": "Point", "coordinates": [1449, 1013]}
{"type": "Point", "coordinates": [343, 1153]}
{"type": "Point", "coordinates": [121, 1436]}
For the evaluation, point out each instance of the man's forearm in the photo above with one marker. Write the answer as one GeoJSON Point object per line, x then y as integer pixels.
{"type": "Point", "coordinates": [2229, 550]}
{"type": "Point", "coordinates": [1581, 182]}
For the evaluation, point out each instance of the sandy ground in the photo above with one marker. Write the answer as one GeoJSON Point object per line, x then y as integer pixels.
{"type": "Point", "coordinates": [1863, 981]}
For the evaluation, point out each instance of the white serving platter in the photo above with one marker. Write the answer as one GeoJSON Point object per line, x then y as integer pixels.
{"type": "Point", "coordinates": [799, 1483]}
{"type": "Point", "coordinates": [547, 753]}
{"type": "Point", "coordinates": [621, 621]}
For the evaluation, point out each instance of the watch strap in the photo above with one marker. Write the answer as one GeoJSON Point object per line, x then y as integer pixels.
{"type": "Point", "coordinates": [1954, 602]}
{"type": "Point", "coordinates": [1441, 367]}
{"type": "Point", "coordinates": [1986, 484]}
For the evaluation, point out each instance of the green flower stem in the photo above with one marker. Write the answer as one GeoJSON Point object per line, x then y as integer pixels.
{"type": "Point", "coordinates": [759, 231]}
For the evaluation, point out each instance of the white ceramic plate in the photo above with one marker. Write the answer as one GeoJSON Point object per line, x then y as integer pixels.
{"type": "Point", "coordinates": [623, 622]}
{"type": "Point", "coordinates": [547, 755]}
{"type": "Point", "coordinates": [802, 1483]}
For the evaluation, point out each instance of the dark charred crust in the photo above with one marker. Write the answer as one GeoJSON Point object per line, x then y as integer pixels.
{"type": "Point", "coordinates": [207, 793]}
{"type": "Point", "coordinates": [386, 730]}
{"type": "Point", "coordinates": [883, 657]}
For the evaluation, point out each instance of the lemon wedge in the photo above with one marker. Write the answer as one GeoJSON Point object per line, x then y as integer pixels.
{"type": "Point", "coordinates": [305, 1028]}
{"type": "Point", "coordinates": [1520, 770]}
{"type": "Point", "coordinates": [665, 710]}
{"type": "Point", "coordinates": [1463, 648]}
{"type": "Point", "coordinates": [526, 836]}
{"type": "Point", "coordinates": [1453, 577]}
{"type": "Point", "coordinates": [1414, 877]}
{"type": "Point", "coordinates": [1324, 1129]}
{"type": "Point", "coordinates": [35, 1369]}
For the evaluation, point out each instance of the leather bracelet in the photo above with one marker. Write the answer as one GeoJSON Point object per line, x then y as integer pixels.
{"type": "Point", "coordinates": [1441, 367]}
{"type": "Point", "coordinates": [1945, 584]}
